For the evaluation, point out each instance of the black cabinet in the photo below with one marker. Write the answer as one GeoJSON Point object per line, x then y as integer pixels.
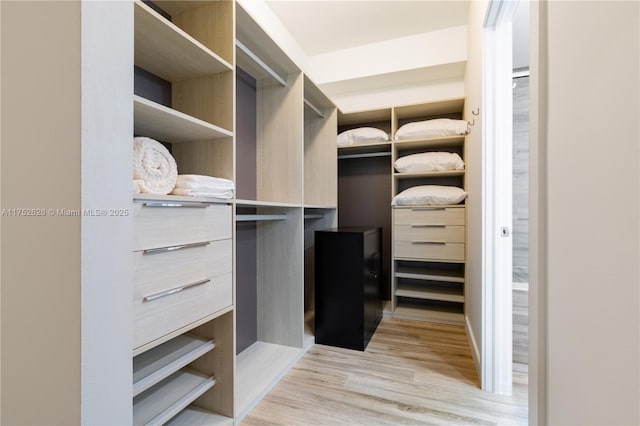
{"type": "Point", "coordinates": [348, 274]}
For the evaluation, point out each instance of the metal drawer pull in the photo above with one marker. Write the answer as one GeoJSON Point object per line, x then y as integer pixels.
{"type": "Point", "coordinates": [173, 291]}
{"type": "Point", "coordinates": [171, 204]}
{"type": "Point", "coordinates": [422, 209]}
{"type": "Point", "coordinates": [436, 243]}
{"type": "Point", "coordinates": [427, 226]}
{"type": "Point", "coordinates": [173, 248]}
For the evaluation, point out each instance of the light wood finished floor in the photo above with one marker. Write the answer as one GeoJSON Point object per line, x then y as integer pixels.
{"type": "Point", "coordinates": [411, 373]}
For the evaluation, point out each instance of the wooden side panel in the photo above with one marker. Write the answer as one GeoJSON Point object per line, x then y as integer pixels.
{"type": "Point", "coordinates": [280, 140]}
{"type": "Point", "coordinates": [206, 98]}
{"type": "Point", "coordinates": [280, 279]}
{"type": "Point", "coordinates": [320, 165]}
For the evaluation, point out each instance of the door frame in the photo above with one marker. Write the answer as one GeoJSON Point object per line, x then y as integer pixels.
{"type": "Point", "coordinates": [496, 375]}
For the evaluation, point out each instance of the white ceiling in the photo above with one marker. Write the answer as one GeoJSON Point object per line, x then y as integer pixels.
{"type": "Point", "coordinates": [330, 25]}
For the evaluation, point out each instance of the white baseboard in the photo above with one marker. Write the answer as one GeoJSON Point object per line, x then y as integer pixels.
{"type": "Point", "coordinates": [473, 344]}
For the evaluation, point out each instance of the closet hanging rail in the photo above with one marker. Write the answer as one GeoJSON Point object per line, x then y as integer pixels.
{"type": "Point", "coordinates": [262, 65]}
{"type": "Point", "coordinates": [313, 216]}
{"type": "Point", "coordinates": [259, 217]}
{"type": "Point", "coordinates": [365, 155]}
{"type": "Point", "coordinates": [313, 108]}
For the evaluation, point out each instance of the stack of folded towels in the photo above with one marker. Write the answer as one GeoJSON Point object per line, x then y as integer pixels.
{"type": "Point", "coordinates": [155, 172]}
{"type": "Point", "coordinates": [203, 186]}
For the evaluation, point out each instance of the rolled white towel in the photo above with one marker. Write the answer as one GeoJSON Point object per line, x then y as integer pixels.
{"type": "Point", "coordinates": [154, 166]}
{"type": "Point", "coordinates": [137, 186]}
{"type": "Point", "coordinates": [203, 182]}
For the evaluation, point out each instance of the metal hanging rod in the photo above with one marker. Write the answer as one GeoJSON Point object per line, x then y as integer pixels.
{"type": "Point", "coordinates": [259, 217]}
{"type": "Point", "coordinates": [313, 108]}
{"type": "Point", "coordinates": [365, 155]}
{"type": "Point", "coordinates": [521, 73]}
{"type": "Point", "coordinates": [261, 63]}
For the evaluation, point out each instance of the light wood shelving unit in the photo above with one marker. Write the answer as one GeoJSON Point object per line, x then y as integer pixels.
{"type": "Point", "coordinates": [184, 98]}
{"type": "Point", "coordinates": [420, 286]}
{"type": "Point", "coordinates": [430, 286]}
{"type": "Point", "coordinates": [286, 172]}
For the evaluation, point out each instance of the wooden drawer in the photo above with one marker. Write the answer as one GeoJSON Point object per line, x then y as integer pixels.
{"type": "Point", "coordinates": [154, 318]}
{"type": "Point", "coordinates": [429, 250]}
{"type": "Point", "coordinates": [429, 215]}
{"type": "Point", "coordinates": [155, 227]}
{"type": "Point", "coordinates": [155, 271]}
{"type": "Point", "coordinates": [445, 233]}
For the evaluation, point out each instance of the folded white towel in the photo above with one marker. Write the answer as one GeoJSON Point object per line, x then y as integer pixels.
{"type": "Point", "coordinates": [203, 182]}
{"type": "Point", "coordinates": [213, 193]}
{"type": "Point", "coordinates": [154, 166]}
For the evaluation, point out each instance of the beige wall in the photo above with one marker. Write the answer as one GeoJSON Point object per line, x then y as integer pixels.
{"type": "Point", "coordinates": [591, 87]}
{"type": "Point", "coordinates": [473, 91]}
{"type": "Point", "coordinates": [40, 255]}
{"type": "Point", "coordinates": [67, 123]}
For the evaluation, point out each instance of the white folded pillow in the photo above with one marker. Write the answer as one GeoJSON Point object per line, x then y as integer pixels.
{"type": "Point", "coordinates": [434, 128]}
{"type": "Point", "coordinates": [428, 162]}
{"type": "Point", "coordinates": [362, 135]}
{"type": "Point", "coordinates": [429, 194]}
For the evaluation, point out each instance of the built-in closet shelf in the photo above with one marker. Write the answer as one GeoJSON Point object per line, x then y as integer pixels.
{"type": "Point", "coordinates": [163, 401]}
{"type": "Point", "coordinates": [258, 369]}
{"type": "Point", "coordinates": [430, 143]}
{"type": "Point", "coordinates": [177, 199]}
{"type": "Point", "coordinates": [418, 273]}
{"type": "Point", "coordinates": [443, 293]}
{"type": "Point", "coordinates": [167, 51]}
{"type": "Point", "coordinates": [416, 312]}
{"type": "Point", "coordinates": [168, 125]}
{"type": "Point", "coordinates": [194, 416]}
{"type": "Point", "coordinates": [160, 362]}
{"type": "Point", "coordinates": [252, 203]}
{"type": "Point", "coordinates": [439, 173]}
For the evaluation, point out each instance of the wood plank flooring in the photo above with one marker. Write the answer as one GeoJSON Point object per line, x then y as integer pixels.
{"type": "Point", "coordinates": [411, 373]}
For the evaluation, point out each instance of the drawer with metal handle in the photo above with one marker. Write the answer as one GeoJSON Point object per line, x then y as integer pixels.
{"type": "Point", "coordinates": [159, 313]}
{"type": "Point", "coordinates": [446, 233]}
{"type": "Point", "coordinates": [429, 250]}
{"type": "Point", "coordinates": [158, 269]}
{"type": "Point", "coordinates": [159, 224]}
{"type": "Point", "coordinates": [429, 215]}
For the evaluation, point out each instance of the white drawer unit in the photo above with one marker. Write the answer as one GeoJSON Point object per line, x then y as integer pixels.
{"type": "Point", "coordinates": [159, 224]}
